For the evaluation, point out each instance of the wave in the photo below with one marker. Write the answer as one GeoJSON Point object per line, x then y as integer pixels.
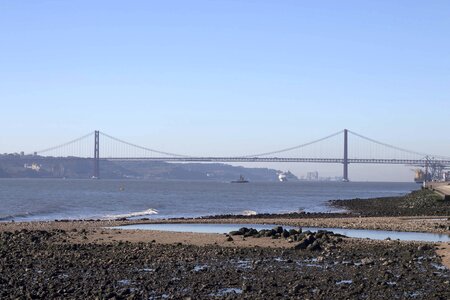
{"type": "Point", "coordinates": [149, 211]}
{"type": "Point", "coordinates": [12, 217]}
{"type": "Point", "coordinates": [249, 213]}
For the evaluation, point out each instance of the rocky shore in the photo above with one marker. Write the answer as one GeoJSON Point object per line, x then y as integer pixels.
{"type": "Point", "coordinates": [44, 265]}
{"type": "Point", "coordinates": [417, 203]}
{"type": "Point", "coordinates": [89, 260]}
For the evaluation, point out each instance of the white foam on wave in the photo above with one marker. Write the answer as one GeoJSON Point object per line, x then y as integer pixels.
{"type": "Point", "coordinates": [147, 212]}
{"type": "Point", "coordinates": [13, 216]}
{"type": "Point", "coordinates": [249, 213]}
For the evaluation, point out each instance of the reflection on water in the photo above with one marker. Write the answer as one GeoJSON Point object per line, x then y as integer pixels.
{"type": "Point", "coordinates": [354, 233]}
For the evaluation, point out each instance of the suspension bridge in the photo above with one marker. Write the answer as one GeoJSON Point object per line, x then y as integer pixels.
{"type": "Point", "coordinates": [343, 147]}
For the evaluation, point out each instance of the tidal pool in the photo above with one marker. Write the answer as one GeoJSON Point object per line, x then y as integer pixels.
{"type": "Point", "coordinates": [354, 233]}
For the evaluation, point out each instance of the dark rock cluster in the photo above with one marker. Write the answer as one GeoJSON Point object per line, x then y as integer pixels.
{"type": "Point", "coordinates": [417, 203]}
{"type": "Point", "coordinates": [308, 240]}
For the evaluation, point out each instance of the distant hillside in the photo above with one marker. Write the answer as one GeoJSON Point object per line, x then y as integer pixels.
{"type": "Point", "coordinates": [16, 166]}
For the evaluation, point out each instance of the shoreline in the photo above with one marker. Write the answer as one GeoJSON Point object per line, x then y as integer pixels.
{"type": "Point", "coordinates": [419, 224]}
{"type": "Point", "coordinates": [56, 257]}
{"type": "Point", "coordinates": [81, 259]}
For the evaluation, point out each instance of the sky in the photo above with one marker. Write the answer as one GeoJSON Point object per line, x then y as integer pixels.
{"type": "Point", "coordinates": [231, 77]}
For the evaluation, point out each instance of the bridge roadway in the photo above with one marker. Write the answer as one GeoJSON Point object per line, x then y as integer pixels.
{"type": "Point", "coordinates": [279, 159]}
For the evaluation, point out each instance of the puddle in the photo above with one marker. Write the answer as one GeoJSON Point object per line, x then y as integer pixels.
{"type": "Point", "coordinates": [163, 296]}
{"type": "Point", "coordinates": [243, 264]}
{"type": "Point", "coordinates": [354, 233]}
{"type": "Point", "coordinates": [146, 270]}
{"type": "Point", "coordinates": [124, 282]}
{"type": "Point", "coordinates": [344, 282]}
{"type": "Point", "coordinates": [438, 267]}
{"type": "Point", "coordinates": [199, 268]}
{"type": "Point", "coordinates": [226, 291]}
{"type": "Point", "coordinates": [310, 265]}
{"type": "Point", "coordinates": [413, 294]}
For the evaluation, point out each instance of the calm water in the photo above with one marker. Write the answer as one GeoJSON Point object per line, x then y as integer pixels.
{"type": "Point", "coordinates": [40, 199]}
{"type": "Point", "coordinates": [355, 233]}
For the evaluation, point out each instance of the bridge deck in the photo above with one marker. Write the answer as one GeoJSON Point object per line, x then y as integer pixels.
{"type": "Point", "coordinates": [291, 159]}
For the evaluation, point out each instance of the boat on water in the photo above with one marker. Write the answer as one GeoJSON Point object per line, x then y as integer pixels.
{"type": "Point", "coordinates": [240, 180]}
{"type": "Point", "coordinates": [420, 176]}
{"type": "Point", "coordinates": [286, 176]}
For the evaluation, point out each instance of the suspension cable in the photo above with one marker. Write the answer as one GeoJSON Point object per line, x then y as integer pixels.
{"type": "Point", "coordinates": [66, 144]}
{"type": "Point", "coordinates": [396, 148]}
{"type": "Point", "coordinates": [296, 147]}
{"type": "Point", "coordinates": [141, 147]}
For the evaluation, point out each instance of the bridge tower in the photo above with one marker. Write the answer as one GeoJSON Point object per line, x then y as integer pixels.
{"type": "Point", "coordinates": [345, 161]}
{"type": "Point", "coordinates": [96, 155]}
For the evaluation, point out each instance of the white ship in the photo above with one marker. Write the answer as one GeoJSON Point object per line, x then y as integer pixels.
{"type": "Point", "coordinates": [282, 177]}
{"type": "Point", "coordinates": [286, 176]}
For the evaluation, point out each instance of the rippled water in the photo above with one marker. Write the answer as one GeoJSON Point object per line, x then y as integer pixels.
{"type": "Point", "coordinates": [41, 199]}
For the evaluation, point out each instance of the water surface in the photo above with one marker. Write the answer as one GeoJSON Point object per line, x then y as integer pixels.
{"type": "Point", "coordinates": [50, 199]}
{"type": "Point", "coordinates": [354, 233]}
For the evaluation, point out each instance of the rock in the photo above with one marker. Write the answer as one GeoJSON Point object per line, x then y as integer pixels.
{"type": "Point", "coordinates": [296, 288]}
{"type": "Point", "coordinates": [293, 232]}
{"type": "Point", "coordinates": [278, 229]}
{"type": "Point", "coordinates": [236, 233]}
{"type": "Point", "coordinates": [366, 261]}
{"type": "Point", "coordinates": [311, 238]}
{"type": "Point", "coordinates": [424, 247]}
{"type": "Point", "coordinates": [244, 230]}
{"type": "Point", "coordinates": [251, 232]}
{"type": "Point", "coordinates": [303, 244]}
{"type": "Point", "coordinates": [246, 288]}
{"type": "Point", "coordinates": [315, 246]}
{"type": "Point", "coordinates": [229, 239]}
{"type": "Point", "coordinates": [320, 234]}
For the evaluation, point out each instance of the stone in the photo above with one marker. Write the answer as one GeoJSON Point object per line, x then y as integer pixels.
{"type": "Point", "coordinates": [303, 244]}
{"type": "Point", "coordinates": [236, 233]}
{"type": "Point", "coordinates": [424, 247]}
{"type": "Point", "coordinates": [246, 288]}
{"type": "Point", "coordinates": [296, 288]}
{"type": "Point", "coordinates": [315, 246]}
{"type": "Point", "coordinates": [367, 261]}
{"type": "Point", "coordinates": [279, 229]}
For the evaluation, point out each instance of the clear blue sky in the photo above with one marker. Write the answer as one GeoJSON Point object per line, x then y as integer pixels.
{"type": "Point", "coordinates": [224, 77]}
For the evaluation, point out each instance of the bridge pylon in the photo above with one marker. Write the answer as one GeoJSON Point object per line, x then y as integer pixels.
{"type": "Point", "coordinates": [345, 161]}
{"type": "Point", "coordinates": [96, 155]}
